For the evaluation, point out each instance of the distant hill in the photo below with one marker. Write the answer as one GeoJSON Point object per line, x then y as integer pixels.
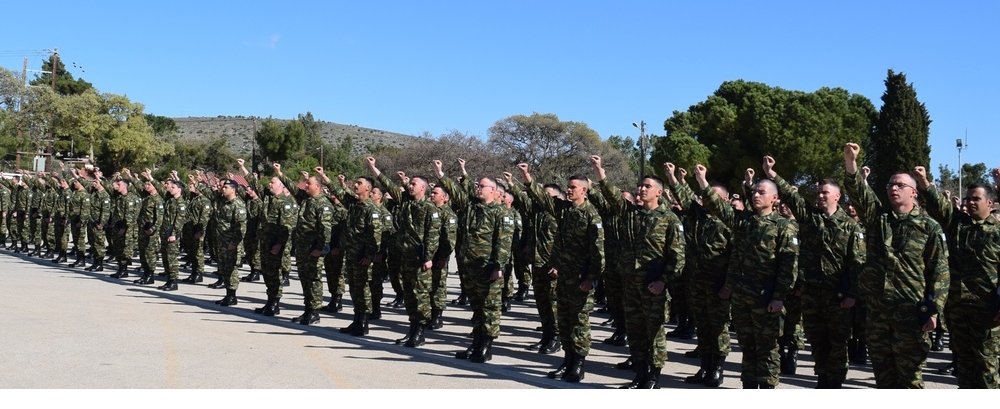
{"type": "Point", "coordinates": [239, 132]}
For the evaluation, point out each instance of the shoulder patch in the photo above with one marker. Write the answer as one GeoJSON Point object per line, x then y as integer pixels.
{"type": "Point", "coordinates": [375, 215]}
{"type": "Point", "coordinates": [288, 206]}
{"type": "Point", "coordinates": [861, 236]}
{"type": "Point", "coordinates": [599, 225]}
{"type": "Point", "coordinates": [943, 238]}
{"type": "Point", "coordinates": [795, 241]}
{"type": "Point", "coordinates": [242, 211]}
{"type": "Point", "coordinates": [434, 215]}
{"type": "Point", "coordinates": [451, 220]}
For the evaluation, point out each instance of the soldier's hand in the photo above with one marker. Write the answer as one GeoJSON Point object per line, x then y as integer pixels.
{"type": "Point", "coordinates": [847, 302]}
{"type": "Point", "coordinates": [171, 239]}
{"type": "Point", "coordinates": [920, 174]}
{"type": "Point", "coordinates": [768, 167]}
{"type": "Point", "coordinates": [775, 306]}
{"type": "Point", "coordinates": [427, 265]}
{"type": "Point", "coordinates": [305, 175]}
{"type": "Point", "coordinates": [851, 151]}
{"type": "Point", "coordinates": [865, 171]}
{"type": "Point", "coordinates": [365, 262]}
{"type": "Point", "coordinates": [240, 162]}
{"type": "Point", "coordinates": [496, 275]}
{"type": "Point", "coordinates": [595, 161]}
{"type": "Point", "coordinates": [509, 178]}
{"type": "Point", "coordinates": [370, 160]}
{"type": "Point", "coordinates": [656, 287]}
{"type": "Point", "coordinates": [683, 172]}
{"type": "Point", "coordinates": [725, 292]}
{"type": "Point", "coordinates": [996, 174]}
{"type": "Point", "coordinates": [553, 273]}
{"type": "Point", "coordinates": [748, 176]}
{"type": "Point", "coordinates": [930, 325]}
{"type": "Point", "coordinates": [401, 175]}
{"type": "Point", "coordinates": [342, 179]}
{"type": "Point", "coordinates": [275, 249]}
{"type": "Point", "coordinates": [669, 168]}
{"type": "Point", "coordinates": [586, 286]}
{"type": "Point", "coordinates": [318, 170]}
{"type": "Point", "coordinates": [276, 166]}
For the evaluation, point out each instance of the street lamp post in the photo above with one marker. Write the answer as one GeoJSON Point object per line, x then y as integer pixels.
{"type": "Point", "coordinates": [642, 147]}
{"type": "Point", "coordinates": [959, 144]}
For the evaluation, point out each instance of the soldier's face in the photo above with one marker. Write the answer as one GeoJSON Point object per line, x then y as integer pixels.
{"type": "Point", "coordinates": [978, 203]}
{"type": "Point", "coordinates": [486, 190]}
{"type": "Point", "coordinates": [648, 191]}
{"type": "Point", "coordinates": [827, 195]}
{"type": "Point", "coordinates": [438, 196]}
{"type": "Point", "coordinates": [313, 188]}
{"type": "Point", "coordinates": [275, 186]}
{"type": "Point", "coordinates": [417, 187]}
{"type": "Point", "coordinates": [901, 189]}
{"type": "Point", "coordinates": [361, 186]}
{"type": "Point", "coordinates": [764, 197]}
{"type": "Point", "coordinates": [576, 190]}
{"type": "Point", "coordinates": [377, 195]}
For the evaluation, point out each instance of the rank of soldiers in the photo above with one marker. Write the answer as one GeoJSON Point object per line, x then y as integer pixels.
{"type": "Point", "coordinates": [858, 281]}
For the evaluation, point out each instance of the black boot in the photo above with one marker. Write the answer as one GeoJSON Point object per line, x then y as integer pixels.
{"type": "Point", "coordinates": [505, 305]}
{"type": "Point", "coordinates": [97, 266]}
{"type": "Point", "coordinates": [641, 373]}
{"type": "Point", "coordinates": [624, 365]}
{"type": "Point", "coordinates": [714, 377]}
{"type": "Point", "coordinates": [308, 317]}
{"type": "Point", "coordinates": [560, 372]}
{"type": "Point", "coordinates": [483, 353]}
{"type": "Point", "coordinates": [461, 300]}
{"type": "Point", "coordinates": [522, 292]}
{"type": "Point", "coordinates": [653, 379]}
{"type": "Point", "coordinates": [546, 338]}
{"type": "Point", "coordinates": [352, 326]}
{"type": "Point", "coordinates": [937, 339]}
{"type": "Point", "coordinates": [61, 258]}
{"type": "Point", "coordinates": [78, 262]}
{"type": "Point", "coordinates": [285, 282]}
{"type": "Point", "coordinates": [229, 299]}
{"type": "Point", "coordinates": [219, 283]}
{"type": "Point", "coordinates": [699, 377]}
{"type": "Point", "coordinates": [376, 312]}
{"type": "Point", "coordinates": [477, 340]}
{"type": "Point", "coordinates": [750, 385]}
{"type": "Point", "coordinates": [684, 328]}
{"type": "Point", "coordinates": [765, 386]}
{"type": "Point", "coordinates": [436, 322]}
{"type": "Point", "coordinates": [194, 278]}
{"type": "Point", "coordinates": [147, 278]}
{"type": "Point", "coordinates": [617, 338]}
{"type": "Point", "coordinates": [122, 271]}
{"type": "Point", "coordinates": [575, 372]}
{"type": "Point", "coordinates": [252, 277]}
{"type": "Point", "coordinates": [789, 361]}
{"type": "Point", "coordinates": [416, 337]}
{"type": "Point", "coordinates": [268, 307]}
{"type": "Point", "coordinates": [170, 285]}
{"type": "Point", "coordinates": [822, 382]}
{"type": "Point", "coordinates": [362, 328]}
{"type": "Point", "coordinates": [335, 305]}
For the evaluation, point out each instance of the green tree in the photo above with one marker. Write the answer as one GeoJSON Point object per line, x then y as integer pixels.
{"type": "Point", "coordinates": [279, 142]}
{"type": "Point", "coordinates": [65, 84]}
{"type": "Point", "coordinates": [162, 126]}
{"type": "Point", "coordinates": [899, 140]}
{"type": "Point", "coordinates": [971, 173]}
{"type": "Point", "coordinates": [743, 121]}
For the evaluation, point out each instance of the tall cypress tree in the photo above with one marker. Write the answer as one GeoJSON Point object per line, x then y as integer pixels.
{"type": "Point", "coordinates": [899, 140]}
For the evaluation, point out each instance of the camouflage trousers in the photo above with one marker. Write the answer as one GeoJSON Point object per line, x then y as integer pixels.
{"type": "Point", "coordinates": [712, 315]}
{"type": "Point", "coordinates": [614, 289]}
{"type": "Point", "coordinates": [394, 267]}
{"type": "Point", "coordinates": [359, 277]}
{"type": "Point", "coordinates": [272, 266]}
{"type": "Point", "coordinates": [575, 306]}
{"type": "Point", "coordinates": [34, 230]}
{"type": "Point", "coordinates": [4, 218]}
{"type": "Point", "coordinates": [897, 346]}
{"type": "Point", "coordinates": [98, 242]}
{"type": "Point", "coordinates": [122, 246]}
{"type": "Point", "coordinates": [416, 291]}
{"type": "Point", "coordinates": [439, 283]}
{"type": "Point", "coordinates": [484, 299]}
{"type": "Point", "coordinates": [975, 342]}
{"type": "Point", "coordinates": [148, 247]}
{"type": "Point", "coordinates": [229, 261]}
{"type": "Point", "coordinates": [518, 269]}
{"type": "Point", "coordinates": [828, 328]}
{"type": "Point", "coordinates": [312, 283]}
{"type": "Point", "coordinates": [757, 331]}
{"type": "Point", "coordinates": [645, 314]}
{"type": "Point", "coordinates": [79, 239]}
{"type": "Point", "coordinates": [544, 288]}
{"type": "Point", "coordinates": [61, 238]}
{"type": "Point", "coordinates": [333, 266]}
{"type": "Point", "coordinates": [170, 256]}
{"type": "Point", "coordinates": [46, 233]}
{"type": "Point", "coordinates": [24, 227]}
{"type": "Point", "coordinates": [792, 334]}
{"type": "Point", "coordinates": [194, 246]}
{"type": "Point", "coordinates": [251, 246]}
{"type": "Point", "coordinates": [380, 270]}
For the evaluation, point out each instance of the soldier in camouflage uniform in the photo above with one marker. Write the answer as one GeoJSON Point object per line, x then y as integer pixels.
{"type": "Point", "coordinates": [47, 190]}
{"type": "Point", "coordinates": [5, 208]}
{"type": "Point", "coordinates": [485, 251]}
{"type": "Point", "coordinates": [22, 214]}
{"type": "Point", "coordinates": [100, 213]}
{"type": "Point", "coordinates": [79, 218]}
{"type": "Point", "coordinates": [59, 211]}
{"type": "Point", "coordinates": [251, 198]}
{"type": "Point", "coordinates": [517, 245]}
{"type": "Point", "coordinates": [763, 267]}
{"type": "Point", "coordinates": [380, 267]}
{"type": "Point", "coordinates": [792, 337]}
{"type": "Point", "coordinates": [280, 213]}
{"type": "Point", "coordinates": [439, 272]}
{"type": "Point", "coordinates": [124, 204]}
{"type": "Point", "coordinates": [231, 225]}
{"type": "Point", "coordinates": [35, 236]}
{"type": "Point", "coordinates": [831, 259]}
{"type": "Point", "coordinates": [708, 251]}
{"type": "Point", "coordinates": [417, 238]}
{"type": "Point", "coordinates": [359, 240]}
{"type": "Point", "coordinates": [175, 214]}
{"type": "Point", "coordinates": [653, 242]}
{"type": "Point", "coordinates": [577, 265]}
{"type": "Point", "coordinates": [973, 306]}
{"type": "Point", "coordinates": [906, 281]}
{"type": "Point", "coordinates": [333, 262]}
{"type": "Point", "coordinates": [199, 213]}
{"type": "Point", "coordinates": [148, 221]}
{"type": "Point", "coordinates": [312, 235]}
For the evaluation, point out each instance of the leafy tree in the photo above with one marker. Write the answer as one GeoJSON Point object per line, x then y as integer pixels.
{"type": "Point", "coordinates": [162, 126]}
{"type": "Point", "coordinates": [279, 142]}
{"type": "Point", "coordinates": [65, 84]}
{"type": "Point", "coordinates": [971, 173]}
{"type": "Point", "coordinates": [743, 121]}
{"type": "Point", "coordinates": [899, 140]}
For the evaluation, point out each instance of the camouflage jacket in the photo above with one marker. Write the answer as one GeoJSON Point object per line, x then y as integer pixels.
{"type": "Point", "coordinates": [975, 249]}
{"type": "Point", "coordinates": [449, 233]}
{"type": "Point", "coordinates": [709, 234]}
{"type": "Point", "coordinates": [488, 230]}
{"type": "Point", "coordinates": [361, 233]}
{"type": "Point", "coordinates": [79, 207]}
{"type": "Point", "coordinates": [100, 207]}
{"type": "Point", "coordinates": [199, 212]}
{"type": "Point", "coordinates": [315, 224]}
{"type": "Point", "coordinates": [150, 214]}
{"type": "Point", "coordinates": [652, 240]}
{"type": "Point", "coordinates": [418, 223]}
{"type": "Point", "coordinates": [230, 222]}
{"type": "Point", "coordinates": [175, 214]}
{"type": "Point", "coordinates": [833, 246]}
{"type": "Point", "coordinates": [907, 253]}
{"type": "Point", "coordinates": [579, 241]}
{"type": "Point", "coordinates": [539, 228]}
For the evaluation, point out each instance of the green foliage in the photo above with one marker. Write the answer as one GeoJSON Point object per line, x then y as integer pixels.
{"type": "Point", "coordinates": [162, 126]}
{"type": "Point", "coordinates": [65, 84]}
{"type": "Point", "coordinates": [279, 142]}
{"type": "Point", "coordinates": [899, 140]}
{"type": "Point", "coordinates": [971, 173]}
{"type": "Point", "coordinates": [744, 121]}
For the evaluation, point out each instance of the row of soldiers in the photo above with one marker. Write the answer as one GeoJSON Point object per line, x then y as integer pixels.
{"type": "Point", "coordinates": [743, 260]}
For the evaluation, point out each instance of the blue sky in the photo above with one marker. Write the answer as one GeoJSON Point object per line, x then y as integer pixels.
{"type": "Point", "coordinates": [436, 66]}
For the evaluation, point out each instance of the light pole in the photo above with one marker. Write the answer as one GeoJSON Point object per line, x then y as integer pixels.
{"type": "Point", "coordinates": [959, 144]}
{"type": "Point", "coordinates": [642, 147]}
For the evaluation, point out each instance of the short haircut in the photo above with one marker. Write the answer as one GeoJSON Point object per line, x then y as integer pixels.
{"type": "Point", "coordinates": [419, 177]}
{"type": "Point", "coordinates": [770, 184]}
{"type": "Point", "coordinates": [371, 182]}
{"type": "Point", "coordinates": [578, 177]}
{"type": "Point", "coordinates": [655, 179]}
{"type": "Point", "coordinates": [986, 188]}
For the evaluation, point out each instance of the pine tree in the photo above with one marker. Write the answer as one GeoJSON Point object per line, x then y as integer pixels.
{"type": "Point", "coordinates": [899, 140]}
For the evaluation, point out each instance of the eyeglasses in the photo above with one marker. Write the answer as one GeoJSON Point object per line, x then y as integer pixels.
{"type": "Point", "coordinates": [897, 185]}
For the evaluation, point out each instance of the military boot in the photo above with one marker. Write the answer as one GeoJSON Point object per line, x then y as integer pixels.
{"type": "Point", "coordinates": [822, 381]}
{"type": "Point", "coordinates": [229, 299]}
{"type": "Point", "coordinates": [436, 322]}
{"type": "Point", "coordinates": [653, 379]}
{"type": "Point", "coordinates": [147, 278]}
{"type": "Point", "coordinates": [376, 312]}
{"type": "Point", "coordinates": [417, 337]}
{"type": "Point", "coordinates": [546, 338]}
{"type": "Point", "coordinates": [505, 304]}
{"type": "Point", "coordinates": [170, 285]}
{"type": "Point", "coordinates": [252, 277]}
{"type": "Point", "coordinates": [522, 292]}
{"type": "Point", "coordinates": [714, 376]}
{"type": "Point", "coordinates": [195, 277]}
{"type": "Point", "coordinates": [274, 311]}
{"type": "Point", "coordinates": [362, 328]}
{"type": "Point", "coordinates": [285, 282]}
{"type": "Point", "coordinates": [764, 386]}
{"type": "Point", "coordinates": [62, 257]}
{"type": "Point", "coordinates": [483, 353]}
{"type": "Point", "coordinates": [937, 339]}
{"type": "Point", "coordinates": [219, 283]}
{"type": "Point", "coordinates": [353, 326]}
{"type": "Point", "coordinates": [699, 377]}
{"type": "Point", "coordinates": [308, 317]}
{"type": "Point", "coordinates": [617, 338]}
{"type": "Point", "coordinates": [626, 364]}
{"type": "Point", "coordinates": [122, 271]}
{"type": "Point", "coordinates": [575, 372]}
{"type": "Point", "coordinates": [408, 336]}
{"type": "Point", "coordinates": [268, 306]}
{"type": "Point", "coordinates": [750, 385]}
{"type": "Point", "coordinates": [560, 372]}
{"type": "Point", "coordinates": [78, 262]}
{"type": "Point", "coordinates": [477, 340]}
{"type": "Point", "coordinates": [551, 347]}
{"type": "Point", "coordinates": [641, 374]}
{"type": "Point", "coordinates": [789, 361]}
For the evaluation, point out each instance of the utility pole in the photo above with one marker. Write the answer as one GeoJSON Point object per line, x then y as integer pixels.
{"type": "Point", "coordinates": [642, 148]}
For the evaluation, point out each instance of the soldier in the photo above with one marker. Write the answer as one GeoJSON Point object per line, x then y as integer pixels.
{"type": "Point", "coordinates": [280, 212]}
{"type": "Point", "coordinates": [79, 218]}
{"type": "Point", "coordinates": [708, 252]}
{"type": "Point", "coordinates": [333, 262]}
{"type": "Point", "coordinates": [654, 247]}
{"type": "Point", "coordinates": [254, 205]}
{"type": "Point", "coordinates": [973, 306]}
{"type": "Point", "coordinates": [22, 213]}
{"type": "Point", "coordinates": [359, 240]}
{"type": "Point", "coordinates": [124, 207]}
{"type": "Point", "coordinates": [38, 189]}
{"type": "Point", "coordinates": [831, 260]}
{"type": "Point", "coordinates": [417, 238]}
{"type": "Point", "coordinates": [439, 271]}
{"type": "Point", "coordinates": [5, 208]}
{"type": "Point", "coordinates": [199, 213]}
{"type": "Point", "coordinates": [312, 235]}
{"type": "Point", "coordinates": [59, 210]}
{"type": "Point", "coordinates": [231, 225]}
{"type": "Point", "coordinates": [175, 214]}
{"type": "Point", "coordinates": [380, 267]}
{"type": "Point", "coordinates": [148, 221]}
{"type": "Point", "coordinates": [577, 265]}
{"type": "Point", "coordinates": [47, 191]}
{"type": "Point", "coordinates": [517, 244]}
{"type": "Point", "coordinates": [905, 283]}
{"type": "Point", "coordinates": [485, 251]}
{"type": "Point", "coordinates": [100, 213]}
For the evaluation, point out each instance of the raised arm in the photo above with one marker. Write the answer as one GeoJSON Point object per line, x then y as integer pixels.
{"type": "Point", "coordinates": [789, 196]}
{"type": "Point", "coordinates": [938, 207]}
{"type": "Point", "coordinates": [864, 198]}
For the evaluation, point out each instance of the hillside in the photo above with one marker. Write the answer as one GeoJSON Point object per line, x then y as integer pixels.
{"type": "Point", "coordinates": [239, 132]}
